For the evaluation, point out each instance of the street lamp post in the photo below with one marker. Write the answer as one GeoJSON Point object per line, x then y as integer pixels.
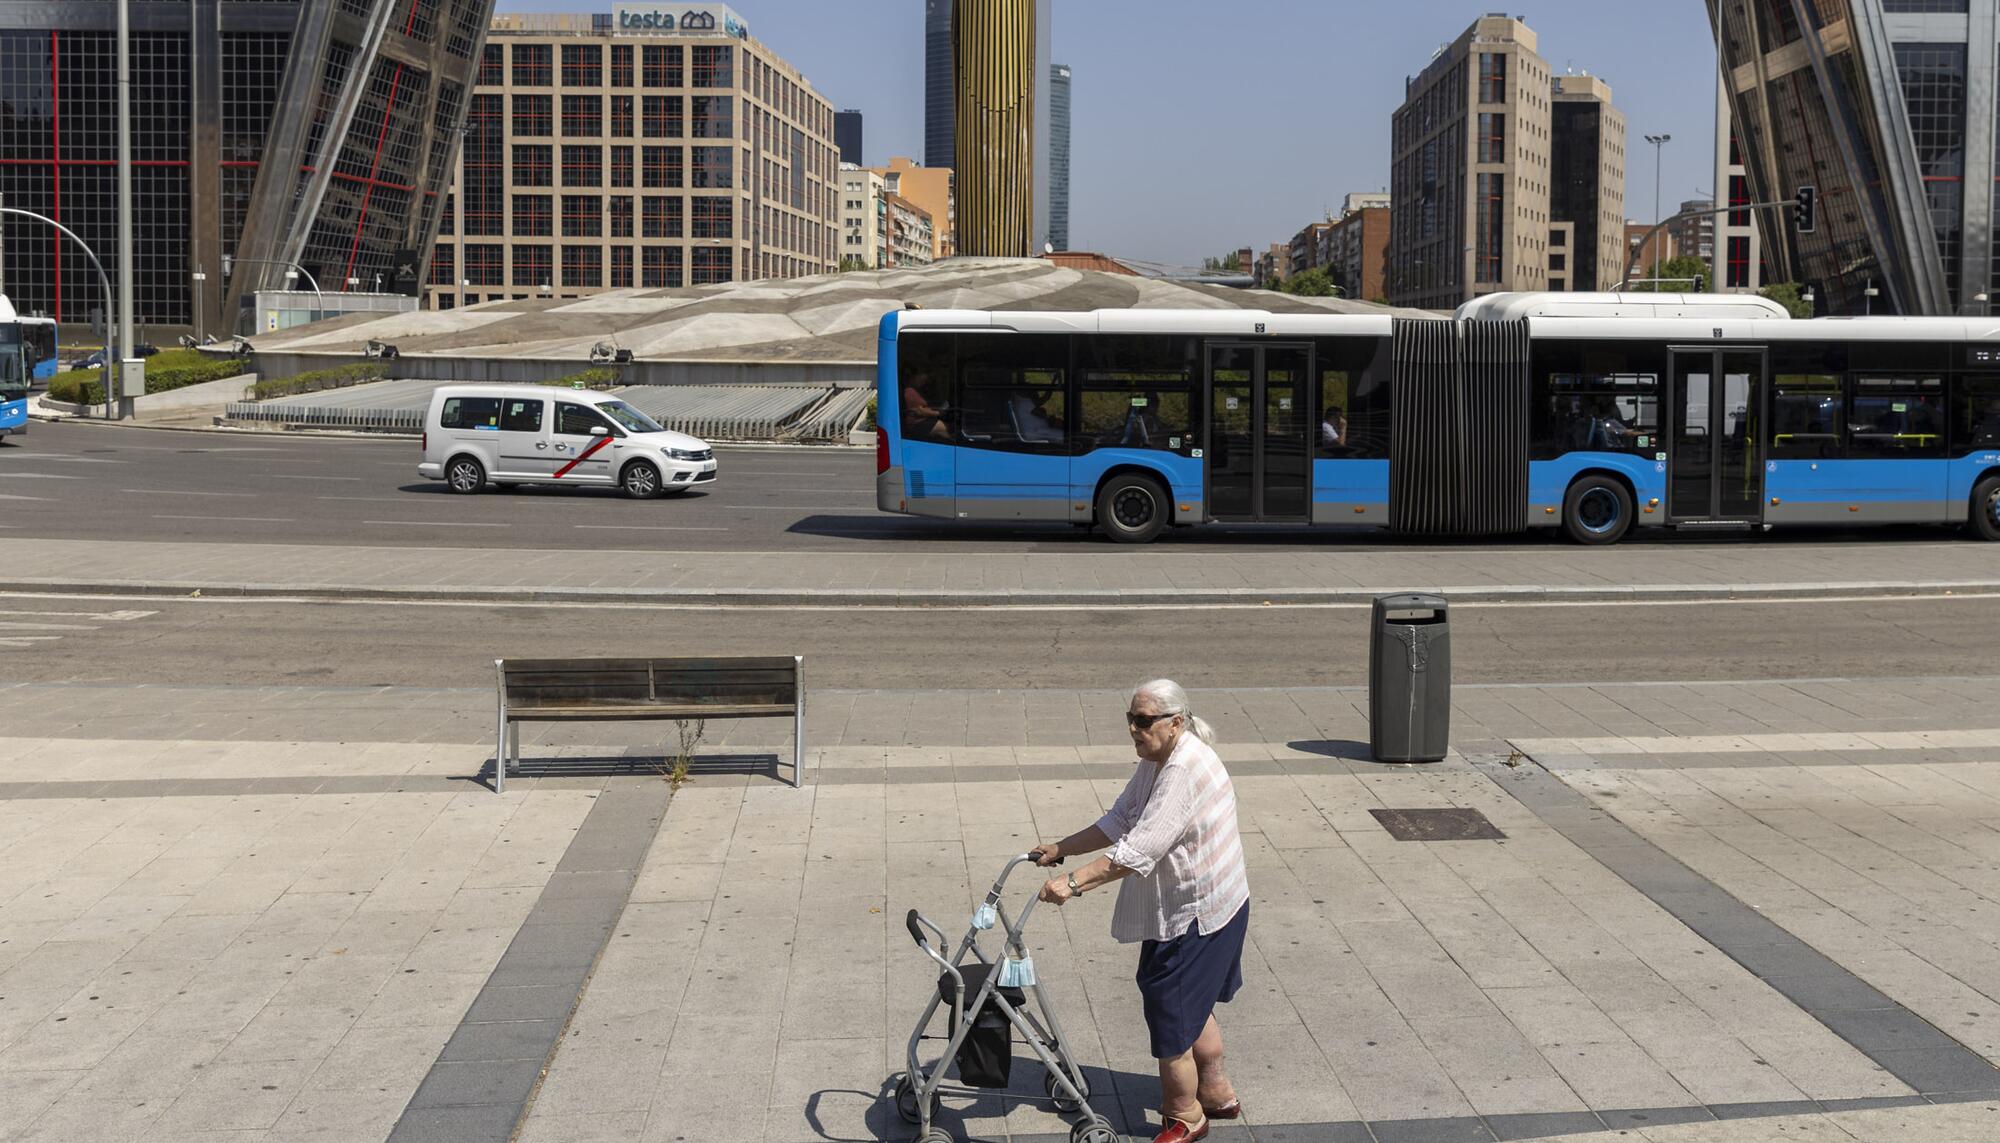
{"type": "Point", "coordinates": [1659, 143]}
{"type": "Point", "coordinates": [124, 194]}
{"type": "Point", "coordinates": [110, 313]}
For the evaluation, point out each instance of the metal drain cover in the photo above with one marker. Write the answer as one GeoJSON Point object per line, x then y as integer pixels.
{"type": "Point", "coordinates": [1438, 825]}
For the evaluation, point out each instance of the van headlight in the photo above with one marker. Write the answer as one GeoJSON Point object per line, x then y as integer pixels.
{"type": "Point", "coordinates": [683, 454]}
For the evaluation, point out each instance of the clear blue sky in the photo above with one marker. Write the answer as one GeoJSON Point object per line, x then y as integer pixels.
{"type": "Point", "coordinates": [1201, 127]}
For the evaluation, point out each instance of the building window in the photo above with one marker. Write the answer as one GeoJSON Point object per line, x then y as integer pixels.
{"type": "Point", "coordinates": [660, 267]}
{"type": "Point", "coordinates": [714, 66]}
{"type": "Point", "coordinates": [621, 267]}
{"type": "Point", "coordinates": [1738, 266]}
{"type": "Point", "coordinates": [621, 116]}
{"type": "Point", "coordinates": [1492, 136]}
{"type": "Point", "coordinates": [444, 269]}
{"type": "Point", "coordinates": [532, 116]}
{"type": "Point", "coordinates": [1739, 200]}
{"type": "Point", "coordinates": [533, 165]}
{"type": "Point", "coordinates": [712, 168]}
{"type": "Point", "coordinates": [621, 166]}
{"type": "Point", "coordinates": [483, 171]}
{"type": "Point", "coordinates": [533, 266]}
{"type": "Point", "coordinates": [621, 216]}
{"type": "Point", "coordinates": [492, 65]}
{"type": "Point", "coordinates": [621, 65]}
{"type": "Point", "coordinates": [1491, 205]}
{"type": "Point", "coordinates": [1934, 80]}
{"type": "Point", "coordinates": [482, 264]}
{"type": "Point", "coordinates": [583, 65]}
{"type": "Point", "coordinates": [583, 216]}
{"type": "Point", "coordinates": [583, 166]}
{"type": "Point", "coordinates": [583, 266]}
{"type": "Point", "coordinates": [583, 116]}
{"type": "Point", "coordinates": [713, 117]}
{"type": "Point", "coordinates": [661, 217]}
{"type": "Point", "coordinates": [663, 65]}
{"type": "Point", "coordinates": [713, 217]}
{"type": "Point", "coordinates": [447, 218]}
{"type": "Point", "coordinates": [661, 117]}
{"type": "Point", "coordinates": [663, 167]}
{"type": "Point", "coordinates": [712, 264]}
{"type": "Point", "coordinates": [533, 216]}
{"type": "Point", "coordinates": [1492, 77]}
{"type": "Point", "coordinates": [1924, 5]}
{"type": "Point", "coordinates": [532, 65]}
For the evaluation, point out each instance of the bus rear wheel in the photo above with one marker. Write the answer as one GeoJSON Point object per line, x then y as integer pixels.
{"type": "Point", "coordinates": [1986, 508]}
{"type": "Point", "coordinates": [1133, 509]}
{"type": "Point", "coordinates": [1597, 510]}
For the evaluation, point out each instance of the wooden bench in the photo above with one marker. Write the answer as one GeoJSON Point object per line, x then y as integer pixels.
{"type": "Point", "coordinates": [589, 690]}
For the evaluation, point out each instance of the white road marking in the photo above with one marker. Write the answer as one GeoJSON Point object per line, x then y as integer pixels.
{"type": "Point", "coordinates": [369, 499]}
{"type": "Point", "coordinates": [39, 621]}
{"type": "Point", "coordinates": [434, 524]}
{"type": "Point", "coordinates": [183, 492]}
{"type": "Point", "coordinates": [244, 519]}
{"type": "Point", "coordinates": [5, 496]}
{"type": "Point", "coordinates": [296, 476]}
{"type": "Point", "coordinates": [41, 475]}
{"type": "Point", "coordinates": [77, 459]}
{"type": "Point", "coordinates": [23, 642]}
{"type": "Point", "coordinates": [647, 528]}
{"type": "Point", "coordinates": [46, 627]}
{"type": "Point", "coordinates": [107, 616]}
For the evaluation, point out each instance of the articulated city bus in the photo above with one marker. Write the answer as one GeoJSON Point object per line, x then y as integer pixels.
{"type": "Point", "coordinates": [1590, 413]}
{"type": "Point", "coordinates": [14, 372]}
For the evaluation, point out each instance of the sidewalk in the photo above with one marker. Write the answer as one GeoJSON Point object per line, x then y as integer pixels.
{"type": "Point", "coordinates": [290, 913]}
{"type": "Point", "coordinates": [913, 576]}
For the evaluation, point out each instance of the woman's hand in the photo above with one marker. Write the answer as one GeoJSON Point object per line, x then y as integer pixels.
{"type": "Point", "coordinates": [1056, 890]}
{"type": "Point", "coordinates": [1048, 853]}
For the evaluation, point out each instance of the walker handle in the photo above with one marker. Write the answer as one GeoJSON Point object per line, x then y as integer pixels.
{"type": "Point", "coordinates": [913, 921]}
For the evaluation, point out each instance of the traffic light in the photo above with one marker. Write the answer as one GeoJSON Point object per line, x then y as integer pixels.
{"type": "Point", "coordinates": [1805, 209]}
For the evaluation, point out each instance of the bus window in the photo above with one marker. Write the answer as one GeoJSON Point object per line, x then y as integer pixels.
{"type": "Point", "coordinates": [1805, 416]}
{"type": "Point", "coordinates": [1354, 375]}
{"type": "Point", "coordinates": [1896, 417]}
{"type": "Point", "coordinates": [1137, 392]}
{"type": "Point", "coordinates": [1013, 391]}
{"type": "Point", "coordinates": [1594, 397]}
{"type": "Point", "coordinates": [925, 367]}
{"type": "Point", "coordinates": [1975, 412]}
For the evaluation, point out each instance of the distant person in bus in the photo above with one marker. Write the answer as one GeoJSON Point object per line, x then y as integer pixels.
{"type": "Point", "coordinates": [1032, 418]}
{"type": "Point", "coordinates": [1333, 427]}
{"type": "Point", "coordinates": [1607, 431]}
{"type": "Point", "coordinates": [1987, 432]}
{"type": "Point", "coordinates": [920, 417]}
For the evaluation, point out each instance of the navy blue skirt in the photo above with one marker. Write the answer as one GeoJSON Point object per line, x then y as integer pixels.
{"type": "Point", "coordinates": [1182, 980]}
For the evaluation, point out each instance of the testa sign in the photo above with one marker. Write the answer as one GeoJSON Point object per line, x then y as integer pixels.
{"type": "Point", "coordinates": [681, 18]}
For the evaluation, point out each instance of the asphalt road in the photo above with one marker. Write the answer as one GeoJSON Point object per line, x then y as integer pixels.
{"type": "Point", "coordinates": [100, 482]}
{"type": "Point", "coordinates": [96, 639]}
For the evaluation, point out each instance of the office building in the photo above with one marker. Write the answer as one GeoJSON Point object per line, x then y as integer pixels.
{"type": "Point", "coordinates": [847, 136]}
{"type": "Point", "coordinates": [1059, 156]}
{"type": "Point", "coordinates": [932, 189]}
{"type": "Point", "coordinates": [1355, 247]}
{"type": "Point", "coordinates": [1470, 168]}
{"type": "Point", "coordinates": [1000, 52]}
{"type": "Point", "coordinates": [1738, 262]}
{"type": "Point", "coordinates": [940, 92]}
{"type": "Point", "coordinates": [276, 138]}
{"type": "Point", "coordinates": [655, 147]}
{"type": "Point", "coordinates": [1586, 247]}
{"type": "Point", "coordinates": [1886, 109]}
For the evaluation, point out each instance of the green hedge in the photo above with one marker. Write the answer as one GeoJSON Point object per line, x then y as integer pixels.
{"type": "Point", "coordinates": [600, 377]}
{"type": "Point", "coordinates": [165, 372]}
{"type": "Point", "coordinates": [317, 380]}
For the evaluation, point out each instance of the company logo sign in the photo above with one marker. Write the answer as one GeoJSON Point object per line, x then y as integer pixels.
{"type": "Point", "coordinates": [683, 18]}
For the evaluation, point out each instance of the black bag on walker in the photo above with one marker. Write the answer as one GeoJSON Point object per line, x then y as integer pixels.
{"type": "Point", "coordinates": [986, 1055]}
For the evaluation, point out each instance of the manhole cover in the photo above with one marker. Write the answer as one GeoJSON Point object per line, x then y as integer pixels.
{"type": "Point", "coordinates": [1437, 825]}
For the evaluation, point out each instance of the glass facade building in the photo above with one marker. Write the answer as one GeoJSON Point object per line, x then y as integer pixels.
{"type": "Point", "coordinates": [1888, 109]}
{"type": "Point", "coordinates": [940, 97]}
{"type": "Point", "coordinates": [265, 133]}
{"type": "Point", "coordinates": [1059, 156]}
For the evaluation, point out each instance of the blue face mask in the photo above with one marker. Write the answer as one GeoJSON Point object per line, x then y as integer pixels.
{"type": "Point", "coordinates": [984, 917]}
{"type": "Point", "coordinates": [1017, 973]}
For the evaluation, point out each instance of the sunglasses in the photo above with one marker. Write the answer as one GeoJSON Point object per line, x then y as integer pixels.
{"type": "Point", "coordinates": [1146, 721]}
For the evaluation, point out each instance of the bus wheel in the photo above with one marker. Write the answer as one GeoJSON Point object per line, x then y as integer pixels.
{"type": "Point", "coordinates": [1986, 508]}
{"type": "Point", "coordinates": [1132, 509]}
{"type": "Point", "coordinates": [1597, 510]}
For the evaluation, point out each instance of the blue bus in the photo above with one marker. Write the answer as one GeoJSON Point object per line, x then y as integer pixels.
{"type": "Point", "coordinates": [1592, 413]}
{"type": "Point", "coordinates": [15, 367]}
{"type": "Point", "coordinates": [38, 346]}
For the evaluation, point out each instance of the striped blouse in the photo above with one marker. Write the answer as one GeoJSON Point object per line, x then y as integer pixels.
{"type": "Point", "coordinates": [1174, 827]}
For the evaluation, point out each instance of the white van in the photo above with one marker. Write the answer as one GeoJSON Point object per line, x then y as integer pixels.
{"type": "Point", "coordinates": [534, 434]}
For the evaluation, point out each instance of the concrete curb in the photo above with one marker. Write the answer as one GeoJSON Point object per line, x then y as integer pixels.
{"type": "Point", "coordinates": [36, 414]}
{"type": "Point", "coordinates": [1114, 597]}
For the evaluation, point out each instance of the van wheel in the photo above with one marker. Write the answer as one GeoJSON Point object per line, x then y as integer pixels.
{"type": "Point", "coordinates": [640, 480]}
{"type": "Point", "coordinates": [1597, 510]}
{"type": "Point", "coordinates": [465, 475]}
{"type": "Point", "coordinates": [1133, 509]}
{"type": "Point", "coordinates": [1986, 508]}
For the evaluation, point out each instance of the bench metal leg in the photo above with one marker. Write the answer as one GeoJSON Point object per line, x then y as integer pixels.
{"type": "Point", "coordinates": [514, 743]}
{"type": "Point", "coordinates": [799, 723]}
{"type": "Point", "coordinates": [500, 730]}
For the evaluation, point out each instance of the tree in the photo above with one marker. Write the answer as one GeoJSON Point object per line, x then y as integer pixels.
{"type": "Point", "coordinates": [1787, 294]}
{"type": "Point", "coordinates": [1313, 283]}
{"type": "Point", "coordinates": [851, 262]}
{"type": "Point", "coordinates": [1229, 263]}
{"type": "Point", "coordinates": [1686, 268]}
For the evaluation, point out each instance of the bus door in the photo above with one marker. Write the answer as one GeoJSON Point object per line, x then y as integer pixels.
{"type": "Point", "coordinates": [1715, 436]}
{"type": "Point", "coordinates": [1258, 453]}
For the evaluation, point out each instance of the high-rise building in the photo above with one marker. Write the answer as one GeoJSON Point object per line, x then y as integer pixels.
{"type": "Point", "coordinates": [847, 135]}
{"type": "Point", "coordinates": [268, 138]}
{"type": "Point", "coordinates": [652, 147]}
{"type": "Point", "coordinates": [940, 93]}
{"type": "Point", "coordinates": [1000, 50]}
{"type": "Point", "coordinates": [1586, 249]}
{"type": "Point", "coordinates": [933, 189]}
{"type": "Point", "coordinates": [1470, 170]}
{"type": "Point", "coordinates": [1886, 109]}
{"type": "Point", "coordinates": [1355, 247]}
{"type": "Point", "coordinates": [1059, 156]}
{"type": "Point", "coordinates": [1738, 263]}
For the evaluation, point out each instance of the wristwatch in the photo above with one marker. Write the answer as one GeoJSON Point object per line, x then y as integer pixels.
{"type": "Point", "coordinates": [1074, 890]}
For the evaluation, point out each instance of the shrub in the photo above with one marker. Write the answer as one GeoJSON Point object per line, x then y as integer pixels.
{"type": "Point", "coordinates": [165, 372]}
{"type": "Point", "coordinates": [599, 377]}
{"type": "Point", "coordinates": [318, 380]}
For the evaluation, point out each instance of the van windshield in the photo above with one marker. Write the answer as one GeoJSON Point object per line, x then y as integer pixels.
{"type": "Point", "coordinates": [631, 418]}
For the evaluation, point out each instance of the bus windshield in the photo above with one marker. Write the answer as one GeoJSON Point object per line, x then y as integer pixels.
{"type": "Point", "coordinates": [13, 380]}
{"type": "Point", "coordinates": [631, 418]}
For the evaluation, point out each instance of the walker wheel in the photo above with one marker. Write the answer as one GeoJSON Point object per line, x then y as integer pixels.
{"type": "Point", "coordinates": [940, 1135]}
{"type": "Point", "coordinates": [1060, 1097]}
{"type": "Point", "coordinates": [906, 1100]}
{"type": "Point", "coordinates": [1096, 1130]}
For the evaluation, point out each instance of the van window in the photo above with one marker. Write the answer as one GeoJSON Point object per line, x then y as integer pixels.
{"type": "Point", "coordinates": [578, 420]}
{"type": "Point", "coordinates": [471, 413]}
{"type": "Point", "coordinates": [522, 416]}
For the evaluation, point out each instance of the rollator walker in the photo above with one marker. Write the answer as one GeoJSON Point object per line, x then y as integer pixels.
{"type": "Point", "coordinates": [985, 1002]}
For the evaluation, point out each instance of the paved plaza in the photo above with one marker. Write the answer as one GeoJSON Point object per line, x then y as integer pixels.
{"type": "Point", "coordinates": [1720, 911]}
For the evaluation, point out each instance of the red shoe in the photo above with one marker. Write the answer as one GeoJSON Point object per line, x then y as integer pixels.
{"type": "Point", "coordinates": [1231, 1110]}
{"type": "Point", "coordinates": [1179, 1132]}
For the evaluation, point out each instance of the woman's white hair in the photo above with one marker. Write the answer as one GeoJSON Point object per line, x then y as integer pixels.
{"type": "Point", "coordinates": [1169, 698]}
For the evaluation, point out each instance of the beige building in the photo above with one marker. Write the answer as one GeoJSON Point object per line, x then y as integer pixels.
{"type": "Point", "coordinates": [863, 237]}
{"type": "Point", "coordinates": [912, 236]}
{"type": "Point", "coordinates": [655, 146]}
{"type": "Point", "coordinates": [933, 189]}
{"type": "Point", "coordinates": [1469, 172]}
{"type": "Point", "coordinates": [1586, 249]}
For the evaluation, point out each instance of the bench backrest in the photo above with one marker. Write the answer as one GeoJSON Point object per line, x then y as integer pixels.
{"type": "Point", "coordinates": [747, 681]}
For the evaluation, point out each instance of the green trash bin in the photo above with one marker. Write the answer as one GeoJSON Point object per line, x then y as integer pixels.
{"type": "Point", "coordinates": [1409, 678]}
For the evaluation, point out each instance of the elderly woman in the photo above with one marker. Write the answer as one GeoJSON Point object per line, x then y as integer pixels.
{"type": "Point", "coordinates": [1173, 841]}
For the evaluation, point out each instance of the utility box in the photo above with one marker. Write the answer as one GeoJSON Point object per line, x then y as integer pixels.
{"type": "Point", "coordinates": [132, 377]}
{"type": "Point", "coordinates": [1409, 678]}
